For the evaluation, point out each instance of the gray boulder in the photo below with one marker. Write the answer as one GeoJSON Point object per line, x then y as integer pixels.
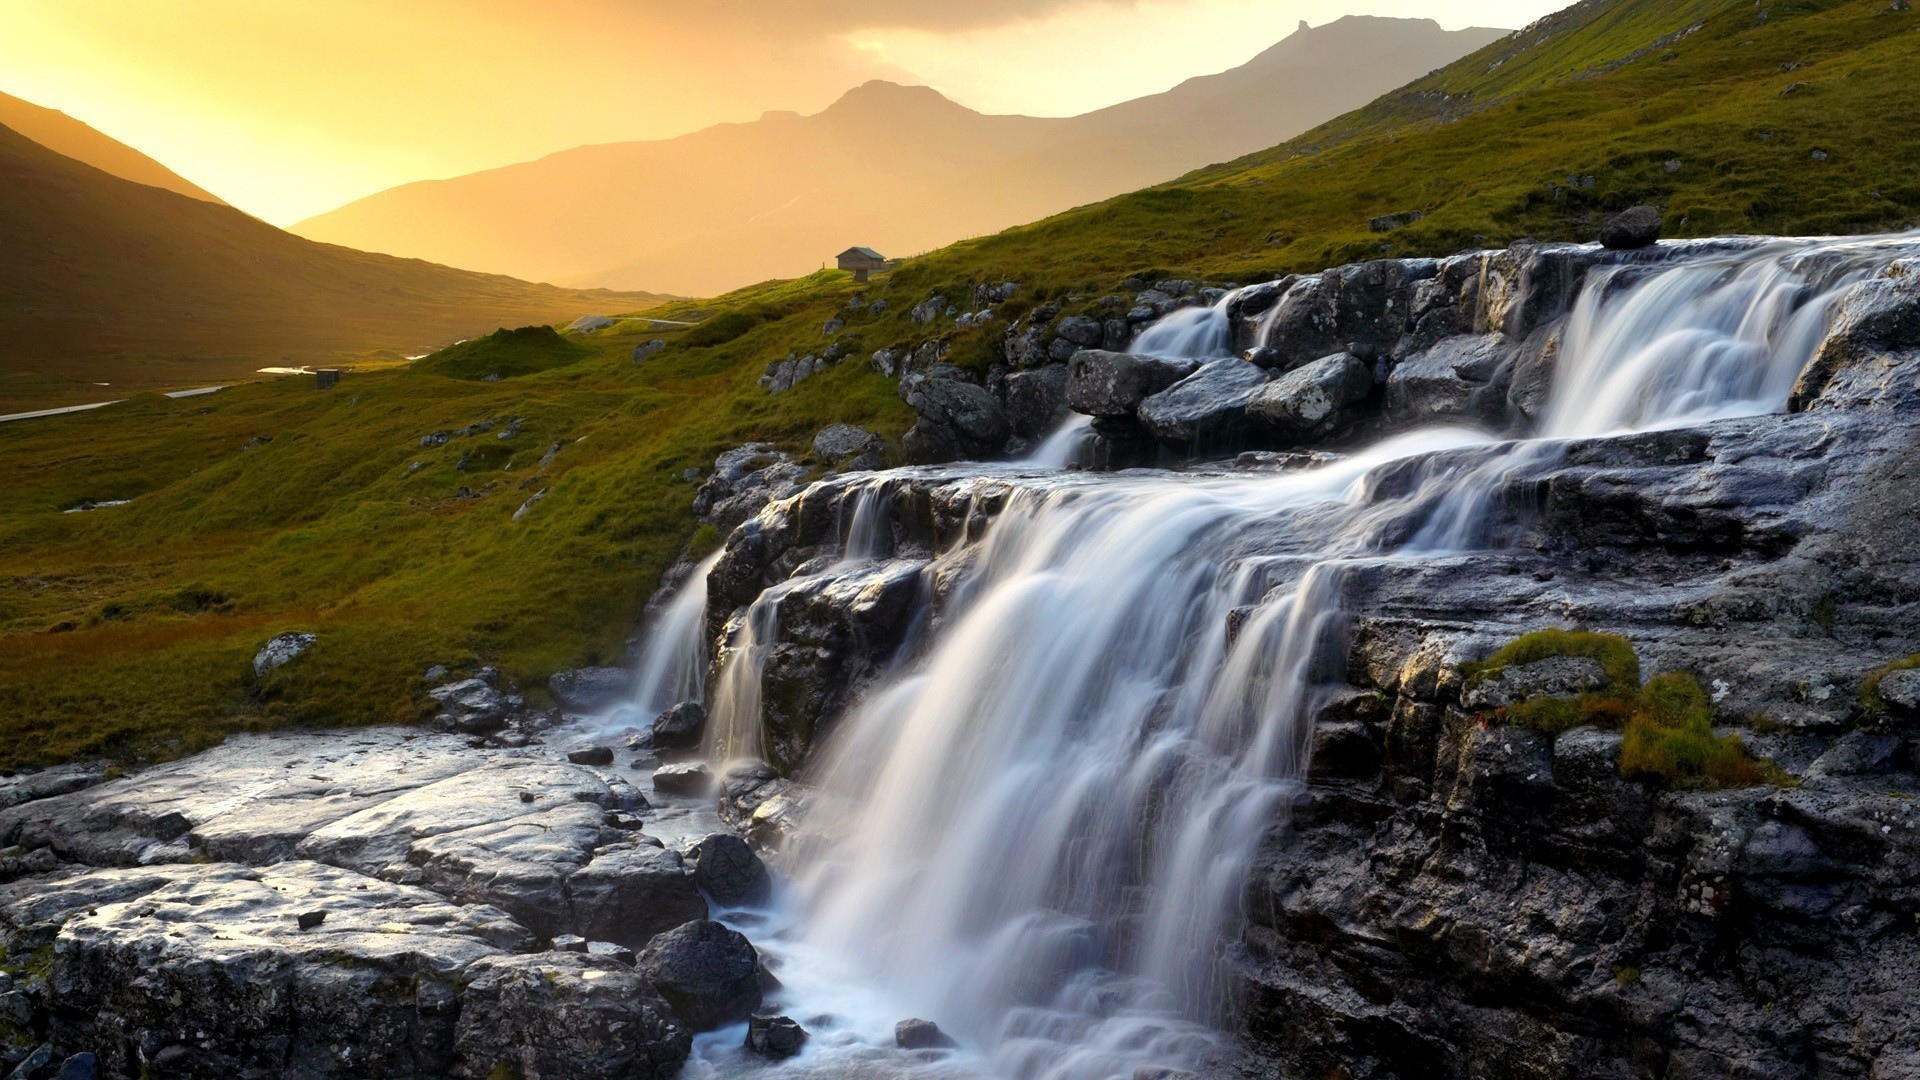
{"type": "Point", "coordinates": [681, 727]}
{"type": "Point", "coordinates": [282, 650]}
{"type": "Point", "coordinates": [566, 1015]}
{"type": "Point", "coordinates": [647, 348]}
{"type": "Point", "coordinates": [726, 867]}
{"type": "Point", "coordinates": [919, 1034]}
{"type": "Point", "coordinates": [474, 705]}
{"type": "Point", "coordinates": [1082, 331]}
{"type": "Point", "coordinates": [1111, 384]}
{"type": "Point", "coordinates": [587, 324]}
{"type": "Point", "coordinates": [1312, 402]}
{"type": "Point", "coordinates": [785, 374]}
{"type": "Point", "coordinates": [708, 974]}
{"type": "Point", "coordinates": [1208, 405]}
{"type": "Point", "coordinates": [958, 421]}
{"type": "Point", "coordinates": [775, 1037]}
{"type": "Point", "coordinates": [1459, 379]}
{"type": "Point", "coordinates": [1036, 400]}
{"type": "Point", "coordinates": [685, 778]}
{"type": "Point", "coordinates": [745, 479]}
{"type": "Point", "coordinates": [846, 448]}
{"type": "Point", "coordinates": [591, 689]}
{"type": "Point", "coordinates": [632, 892]}
{"type": "Point", "coordinates": [1632, 229]}
{"type": "Point", "coordinates": [1901, 691]}
{"type": "Point", "coordinates": [931, 308]}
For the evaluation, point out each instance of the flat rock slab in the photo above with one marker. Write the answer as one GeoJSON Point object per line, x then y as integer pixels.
{"type": "Point", "coordinates": [235, 912]}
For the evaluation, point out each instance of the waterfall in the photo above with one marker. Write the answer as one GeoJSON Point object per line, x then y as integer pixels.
{"type": "Point", "coordinates": [673, 655]}
{"type": "Point", "coordinates": [1037, 833]}
{"type": "Point", "coordinates": [1195, 333]}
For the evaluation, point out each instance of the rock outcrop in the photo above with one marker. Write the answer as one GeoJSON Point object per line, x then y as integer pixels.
{"type": "Point", "coordinates": [234, 913]}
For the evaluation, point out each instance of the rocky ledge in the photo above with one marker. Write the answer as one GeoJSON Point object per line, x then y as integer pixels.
{"type": "Point", "coordinates": [460, 910]}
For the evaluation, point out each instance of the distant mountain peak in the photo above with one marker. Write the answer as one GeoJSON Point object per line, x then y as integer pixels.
{"type": "Point", "coordinates": [884, 99]}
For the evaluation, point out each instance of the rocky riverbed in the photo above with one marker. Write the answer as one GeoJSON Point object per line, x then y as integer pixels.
{"type": "Point", "coordinates": [369, 903]}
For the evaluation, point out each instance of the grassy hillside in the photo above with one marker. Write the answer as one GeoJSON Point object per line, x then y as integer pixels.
{"type": "Point", "coordinates": [128, 629]}
{"type": "Point", "coordinates": [273, 506]}
{"type": "Point", "coordinates": [103, 280]}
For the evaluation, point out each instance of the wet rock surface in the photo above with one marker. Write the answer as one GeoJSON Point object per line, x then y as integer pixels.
{"type": "Point", "coordinates": [335, 904]}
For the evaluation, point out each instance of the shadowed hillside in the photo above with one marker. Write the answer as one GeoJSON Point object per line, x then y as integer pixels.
{"type": "Point", "coordinates": [900, 168]}
{"type": "Point", "coordinates": [105, 280]}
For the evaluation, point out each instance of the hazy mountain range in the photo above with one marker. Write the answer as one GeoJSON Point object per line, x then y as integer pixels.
{"type": "Point", "coordinates": [898, 168]}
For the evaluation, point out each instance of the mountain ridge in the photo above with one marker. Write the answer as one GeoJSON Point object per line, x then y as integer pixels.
{"type": "Point", "coordinates": [900, 168]}
{"type": "Point", "coordinates": [70, 137]}
{"type": "Point", "coordinates": [110, 280]}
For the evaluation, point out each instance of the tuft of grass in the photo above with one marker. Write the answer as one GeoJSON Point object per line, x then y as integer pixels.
{"type": "Point", "coordinates": [1870, 700]}
{"type": "Point", "coordinates": [505, 354]}
{"type": "Point", "coordinates": [1667, 723]}
{"type": "Point", "coordinates": [1670, 739]}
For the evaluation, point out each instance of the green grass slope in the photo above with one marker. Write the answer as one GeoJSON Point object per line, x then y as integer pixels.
{"type": "Point", "coordinates": [128, 629]}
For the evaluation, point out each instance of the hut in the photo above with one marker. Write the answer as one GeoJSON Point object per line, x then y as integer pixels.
{"type": "Point", "coordinates": [863, 261]}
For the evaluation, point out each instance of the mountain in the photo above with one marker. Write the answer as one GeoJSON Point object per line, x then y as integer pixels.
{"type": "Point", "coordinates": [62, 134]}
{"type": "Point", "coordinates": [899, 168]}
{"type": "Point", "coordinates": [104, 279]}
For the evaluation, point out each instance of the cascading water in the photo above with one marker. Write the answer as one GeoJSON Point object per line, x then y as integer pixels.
{"type": "Point", "coordinates": [1196, 333]}
{"type": "Point", "coordinates": [1037, 832]}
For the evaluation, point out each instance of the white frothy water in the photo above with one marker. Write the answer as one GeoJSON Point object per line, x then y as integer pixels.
{"type": "Point", "coordinates": [673, 662]}
{"type": "Point", "coordinates": [1195, 333]}
{"type": "Point", "coordinates": [1038, 833]}
{"type": "Point", "coordinates": [1064, 448]}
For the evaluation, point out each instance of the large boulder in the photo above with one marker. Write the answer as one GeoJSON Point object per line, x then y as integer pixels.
{"type": "Point", "coordinates": [284, 649]}
{"type": "Point", "coordinates": [1312, 402]}
{"type": "Point", "coordinates": [1112, 384]}
{"type": "Point", "coordinates": [1632, 229]}
{"type": "Point", "coordinates": [1458, 379]}
{"type": "Point", "coordinates": [1209, 405]}
{"type": "Point", "coordinates": [708, 974]}
{"type": "Point", "coordinates": [591, 689]}
{"type": "Point", "coordinates": [848, 448]}
{"type": "Point", "coordinates": [726, 867]}
{"type": "Point", "coordinates": [958, 420]}
{"type": "Point", "coordinates": [565, 1016]}
{"type": "Point", "coordinates": [681, 727]}
{"type": "Point", "coordinates": [632, 892]}
{"type": "Point", "coordinates": [1036, 400]}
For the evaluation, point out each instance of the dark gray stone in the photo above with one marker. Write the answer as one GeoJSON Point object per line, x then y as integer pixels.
{"type": "Point", "coordinates": [958, 421]}
{"type": "Point", "coordinates": [684, 778]}
{"type": "Point", "coordinates": [727, 868]}
{"type": "Point", "coordinates": [1108, 384]}
{"type": "Point", "coordinates": [1209, 405]}
{"type": "Point", "coordinates": [775, 1037]}
{"type": "Point", "coordinates": [1632, 229]}
{"type": "Point", "coordinates": [592, 755]}
{"type": "Point", "coordinates": [631, 892]}
{"type": "Point", "coordinates": [681, 727]}
{"type": "Point", "coordinates": [917, 1034]}
{"type": "Point", "coordinates": [1312, 402]}
{"type": "Point", "coordinates": [708, 974]}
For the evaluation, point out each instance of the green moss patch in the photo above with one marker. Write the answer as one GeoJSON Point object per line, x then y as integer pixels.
{"type": "Point", "coordinates": [505, 354]}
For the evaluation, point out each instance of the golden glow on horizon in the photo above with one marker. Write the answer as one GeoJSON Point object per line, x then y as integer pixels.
{"type": "Point", "coordinates": [290, 109]}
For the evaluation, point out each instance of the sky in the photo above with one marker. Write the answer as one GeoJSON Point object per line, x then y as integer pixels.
{"type": "Point", "coordinates": [289, 108]}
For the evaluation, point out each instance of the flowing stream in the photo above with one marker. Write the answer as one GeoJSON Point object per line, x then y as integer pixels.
{"type": "Point", "coordinates": [1037, 831]}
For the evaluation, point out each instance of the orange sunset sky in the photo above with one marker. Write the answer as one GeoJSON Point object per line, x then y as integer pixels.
{"type": "Point", "coordinates": [288, 109]}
